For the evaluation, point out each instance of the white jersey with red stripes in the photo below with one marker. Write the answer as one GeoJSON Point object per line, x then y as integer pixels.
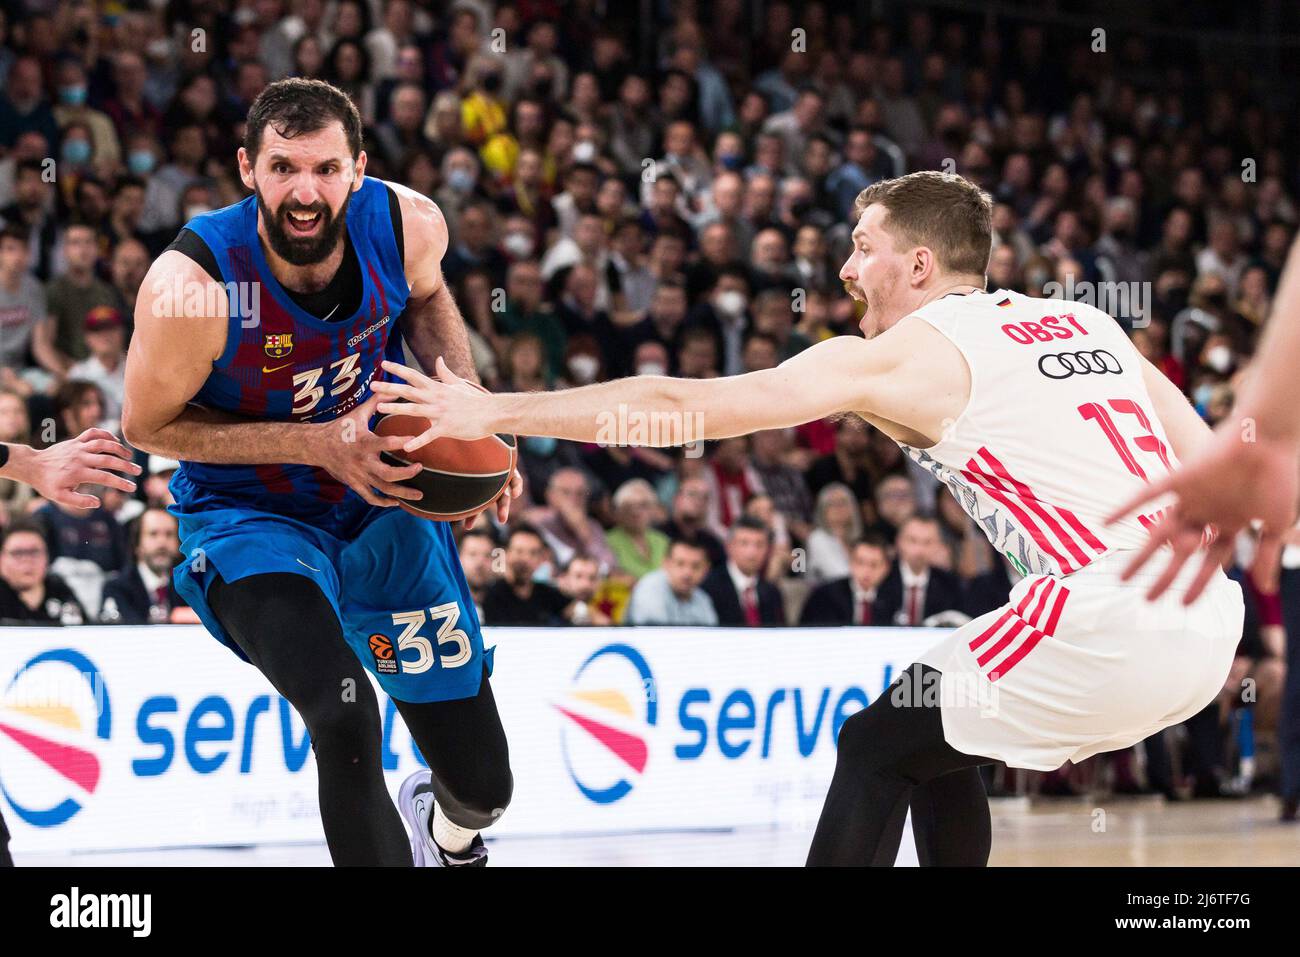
{"type": "Point", "coordinates": [1059, 429]}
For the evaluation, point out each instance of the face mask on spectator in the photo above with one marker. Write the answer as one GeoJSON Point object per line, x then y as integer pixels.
{"type": "Point", "coordinates": [584, 152]}
{"type": "Point", "coordinates": [72, 95]}
{"type": "Point", "coordinates": [197, 209]}
{"type": "Point", "coordinates": [651, 368]}
{"type": "Point", "coordinates": [730, 302]}
{"type": "Point", "coordinates": [1121, 158]}
{"type": "Point", "coordinates": [731, 161]}
{"type": "Point", "coordinates": [460, 180]}
{"type": "Point", "coordinates": [583, 368]}
{"type": "Point", "coordinates": [518, 245]}
{"type": "Point", "coordinates": [1201, 396]}
{"type": "Point", "coordinates": [542, 445]}
{"type": "Point", "coordinates": [76, 151]}
{"type": "Point", "coordinates": [140, 162]}
{"type": "Point", "coordinates": [1219, 358]}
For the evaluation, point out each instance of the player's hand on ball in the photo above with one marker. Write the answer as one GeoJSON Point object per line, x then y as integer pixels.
{"type": "Point", "coordinates": [350, 452]}
{"type": "Point", "coordinates": [1231, 483]}
{"type": "Point", "coordinates": [92, 458]}
{"type": "Point", "coordinates": [455, 407]}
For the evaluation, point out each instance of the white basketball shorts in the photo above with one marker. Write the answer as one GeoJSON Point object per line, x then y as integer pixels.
{"type": "Point", "coordinates": [1076, 665]}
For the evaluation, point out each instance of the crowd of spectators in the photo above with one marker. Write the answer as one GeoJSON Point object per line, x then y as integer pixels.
{"type": "Point", "coordinates": [619, 203]}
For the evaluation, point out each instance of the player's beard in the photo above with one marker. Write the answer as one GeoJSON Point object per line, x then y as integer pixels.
{"type": "Point", "coordinates": [300, 250]}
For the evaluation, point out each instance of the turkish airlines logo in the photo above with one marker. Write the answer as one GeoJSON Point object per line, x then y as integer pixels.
{"type": "Point", "coordinates": [1062, 365]}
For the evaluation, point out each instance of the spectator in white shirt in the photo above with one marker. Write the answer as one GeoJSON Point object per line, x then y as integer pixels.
{"type": "Point", "coordinates": [839, 523]}
{"type": "Point", "coordinates": [671, 594]}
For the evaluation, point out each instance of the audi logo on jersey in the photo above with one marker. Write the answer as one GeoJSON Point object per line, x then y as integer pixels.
{"type": "Point", "coordinates": [1062, 365]}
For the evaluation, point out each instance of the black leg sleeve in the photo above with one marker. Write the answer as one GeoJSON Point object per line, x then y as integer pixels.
{"type": "Point", "coordinates": [288, 629]}
{"type": "Point", "coordinates": [465, 747]}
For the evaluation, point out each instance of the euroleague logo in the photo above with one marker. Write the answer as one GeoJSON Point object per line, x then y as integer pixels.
{"type": "Point", "coordinates": [54, 714]}
{"type": "Point", "coordinates": [1062, 365]}
{"type": "Point", "coordinates": [607, 712]}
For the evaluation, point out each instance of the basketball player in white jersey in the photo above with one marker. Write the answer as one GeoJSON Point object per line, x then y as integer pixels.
{"type": "Point", "coordinates": [1040, 417]}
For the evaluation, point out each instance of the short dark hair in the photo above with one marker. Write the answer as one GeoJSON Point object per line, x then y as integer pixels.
{"type": "Point", "coordinates": [296, 105]}
{"type": "Point", "coordinates": [479, 533]}
{"type": "Point", "coordinates": [29, 166]}
{"type": "Point", "coordinates": [687, 541]}
{"type": "Point", "coordinates": [579, 557]}
{"type": "Point", "coordinates": [135, 527]}
{"type": "Point", "coordinates": [20, 524]}
{"type": "Point", "coordinates": [735, 270]}
{"type": "Point", "coordinates": [128, 181]}
{"type": "Point", "coordinates": [591, 168]}
{"type": "Point", "coordinates": [16, 231]}
{"type": "Point", "coordinates": [870, 540]}
{"type": "Point", "coordinates": [922, 519]}
{"type": "Point", "coordinates": [524, 529]}
{"type": "Point", "coordinates": [72, 391]}
{"type": "Point", "coordinates": [752, 524]}
{"type": "Point", "coordinates": [763, 337]}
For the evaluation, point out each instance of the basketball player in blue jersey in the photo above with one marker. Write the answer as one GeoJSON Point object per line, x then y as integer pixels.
{"type": "Point", "coordinates": [258, 334]}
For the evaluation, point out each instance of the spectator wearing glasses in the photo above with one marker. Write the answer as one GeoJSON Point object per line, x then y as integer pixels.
{"type": "Point", "coordinates": [29, 593]}
{"type": "Point", "coordinates": [638, 547]}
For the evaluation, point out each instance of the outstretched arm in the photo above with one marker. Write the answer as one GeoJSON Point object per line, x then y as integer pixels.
{"type": "Point", "coordinates": [93, 457]}
{"type": "Point", "coordinates": [844, 374]}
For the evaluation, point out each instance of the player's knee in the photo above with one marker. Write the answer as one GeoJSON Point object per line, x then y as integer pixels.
{"type": "Point", "coordinates": [344, 731]}
{"type": "Point", "coordinates": [859, 738]}
{"type": "Point", "coordinates": [478, 800]}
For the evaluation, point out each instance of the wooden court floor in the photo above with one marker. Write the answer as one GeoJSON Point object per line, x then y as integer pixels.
{"type": "Point", "coordinates": [1142, 832]}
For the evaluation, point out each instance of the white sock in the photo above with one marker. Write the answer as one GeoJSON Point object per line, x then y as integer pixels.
{"type": "Point", "coordinates": [452, 838]}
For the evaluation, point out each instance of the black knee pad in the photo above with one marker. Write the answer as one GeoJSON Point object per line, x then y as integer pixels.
{"type": "Point", "coordinates": [478, 802]}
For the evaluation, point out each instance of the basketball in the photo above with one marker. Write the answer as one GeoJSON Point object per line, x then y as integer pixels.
{"type": "Point", "coordinates": [460, 476]}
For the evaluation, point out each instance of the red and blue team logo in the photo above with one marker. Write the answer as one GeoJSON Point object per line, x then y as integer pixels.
{"type": "Point", "coordinates": [53, 716]}
{"type": "Point", "coordinates": [608, 710]}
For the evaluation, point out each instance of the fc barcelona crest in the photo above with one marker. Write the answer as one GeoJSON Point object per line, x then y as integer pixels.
{"type": "Point", "coordinates": [278, 346]}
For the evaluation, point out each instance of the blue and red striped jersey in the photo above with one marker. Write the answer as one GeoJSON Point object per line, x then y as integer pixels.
{"type": "Point", "coordinates": [283, 364]}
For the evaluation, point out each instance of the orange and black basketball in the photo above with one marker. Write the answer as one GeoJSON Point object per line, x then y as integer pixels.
{"type": "Point", "coordinates": [459, 478]}
{"type": "Point", "coordinates": [381, 647]}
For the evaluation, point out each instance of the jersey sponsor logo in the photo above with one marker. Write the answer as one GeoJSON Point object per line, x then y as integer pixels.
{"type": "Point", "coordinates": [1063, 365]}
{"type": "Point", "coordinates": [381, 646]}
{"type": "Point", "coordinates": [364, 333]}
{"type": "Point", "coordinates": [277, 345]}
